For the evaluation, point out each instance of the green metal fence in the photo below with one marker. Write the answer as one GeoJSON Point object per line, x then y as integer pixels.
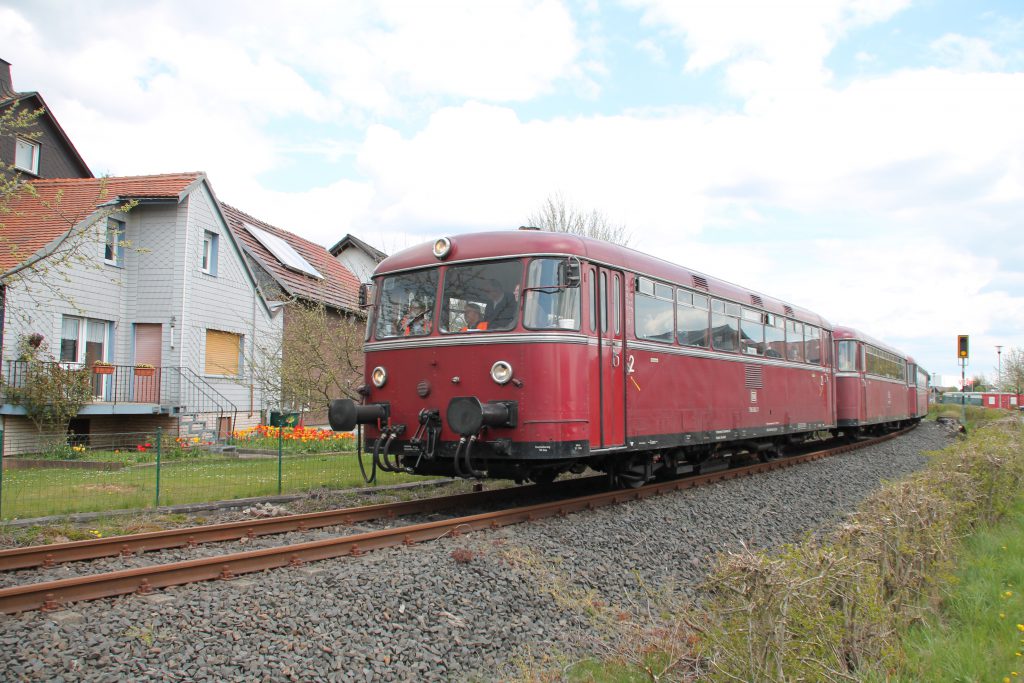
{"type": "Point", "coordinates": [53, 474]}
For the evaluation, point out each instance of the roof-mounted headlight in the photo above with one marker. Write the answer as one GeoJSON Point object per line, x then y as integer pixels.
{"type": "Point", "coordinates": [501, 372]}
{"type": "Point", "coordinates": [442, 247]}
{"type": "Point", "coordinates": [379, 376]}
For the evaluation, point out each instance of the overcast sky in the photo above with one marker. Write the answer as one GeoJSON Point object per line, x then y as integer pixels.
{"type": "Point", "coordinates": [862, 158]}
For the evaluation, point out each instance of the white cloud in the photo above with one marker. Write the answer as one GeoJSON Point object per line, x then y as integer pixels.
{"type": "Point", "coordinates": [967, 54]}
{"type": "Point", "coordinates": [765, 47]}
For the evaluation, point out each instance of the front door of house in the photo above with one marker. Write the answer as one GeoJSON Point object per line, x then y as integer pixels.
{"type": "Point", "coordinates": [148, 346]}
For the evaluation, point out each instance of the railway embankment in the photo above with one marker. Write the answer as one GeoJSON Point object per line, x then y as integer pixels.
{"type": "Point", "coordinates": [856, 602]}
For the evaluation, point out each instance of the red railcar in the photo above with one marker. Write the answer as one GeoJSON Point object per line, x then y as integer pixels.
{"type": "Point", "coordinates": [873, 392]}
{"type": "Point", "coordinates": [918, 389]}
{"type": "Point", "coordinates": [587, 354]}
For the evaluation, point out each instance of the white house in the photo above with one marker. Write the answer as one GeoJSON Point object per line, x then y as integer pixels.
{"type": "Point", "coordinates": [163, 284]}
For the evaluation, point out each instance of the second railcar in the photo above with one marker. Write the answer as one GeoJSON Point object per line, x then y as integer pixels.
{"type": "Point", "coordinates": [873, 392]}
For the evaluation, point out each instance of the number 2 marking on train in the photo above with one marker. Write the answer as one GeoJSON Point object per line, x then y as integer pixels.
{"type": "Point", "coordinates": [629, 364]}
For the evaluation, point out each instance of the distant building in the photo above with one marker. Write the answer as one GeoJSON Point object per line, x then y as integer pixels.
{"type": "Point", "coordinates": [358, 256]}
{"type": "Point", "coordinates": [290, 269]}
{"type": "Point", "coordinates": [50, 154]}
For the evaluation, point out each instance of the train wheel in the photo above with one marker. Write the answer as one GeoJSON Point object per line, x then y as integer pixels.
{"type": "Point", "coordinates": [631, 474]}
{"type": "Point", "coordinates": [543, 477]}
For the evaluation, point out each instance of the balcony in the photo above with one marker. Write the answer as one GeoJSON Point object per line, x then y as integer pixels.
{"type": "Point", "coordinates": [128, 390]}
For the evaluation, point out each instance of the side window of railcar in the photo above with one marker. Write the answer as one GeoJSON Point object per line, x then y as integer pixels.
{"type": "Point", "coordinates": [548, 306]}
{"type": "Point", "coordinates": [752, 332]}
{"type": "Point", "coordinates": [592, 277]}
{"type": "Point", "coordinates": [616, 304]}
{"type": "Point", "coordinates": [653, 319]}
{"type": "Point", "coordinates": [407, 304]}
{"type": "Point", "coordinates": [691, 318]}
{"type": "Point", "coordinates": [794, 340]}
{"type": "Point", "coordinates": [883, 364]}
{"type": "Point", "coordinates": [725, 325]}
{"type": "Point", "coordinates": [604, 302]}
{"type": "Point", "coordinates": [812, 339]}
{"type": "Point", "coordinates": [481, 296]}
{"type": "Point", "coordinates": [775, 336]}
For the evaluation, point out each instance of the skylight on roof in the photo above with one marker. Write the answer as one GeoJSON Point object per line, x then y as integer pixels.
{"type": "Point", "coordinates": [284, 252]}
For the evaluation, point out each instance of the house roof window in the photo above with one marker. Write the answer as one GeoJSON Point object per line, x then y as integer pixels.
{"type": "Point", "coordinates": [283, 252]}
{"type": "Point", "coordinates": [26, 156]}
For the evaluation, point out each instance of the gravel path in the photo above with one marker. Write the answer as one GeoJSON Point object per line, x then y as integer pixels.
{"type": "Point", "coordinates": [469, 608]}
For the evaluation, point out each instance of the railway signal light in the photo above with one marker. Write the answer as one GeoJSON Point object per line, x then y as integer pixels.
{"type": "Point", "coordinates": [961, 346]}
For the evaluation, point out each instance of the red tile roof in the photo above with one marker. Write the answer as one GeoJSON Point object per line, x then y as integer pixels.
{"type": "Point", "coordinates": [339, 288]}
{"type": "Point", "coordinates": [33, 221]}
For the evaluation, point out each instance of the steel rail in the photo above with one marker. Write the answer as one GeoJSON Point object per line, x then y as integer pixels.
{"type": "Point", "coordinates": [132, 544]}
{"type": "Point", "coordinates": [53, 595]}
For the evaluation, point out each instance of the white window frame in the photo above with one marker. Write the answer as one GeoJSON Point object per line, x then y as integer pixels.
{"type": "Point", "coordinates": [33, 150]}
{"type": "Point", "coordinates": [208, 262]}
{"type": "Point", "coordinates": [83, 329]}
{"type": "Point", "coordinates": [116, 227]}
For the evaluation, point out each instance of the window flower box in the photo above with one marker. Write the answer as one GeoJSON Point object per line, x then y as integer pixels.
{"type": "Point", "coordinates": [103, 368]}
{"type": "Point", "coordinates": [144, 370]}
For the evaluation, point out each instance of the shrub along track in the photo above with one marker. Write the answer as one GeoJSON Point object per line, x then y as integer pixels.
{"type": "Point", "coordinates": [52, 595]}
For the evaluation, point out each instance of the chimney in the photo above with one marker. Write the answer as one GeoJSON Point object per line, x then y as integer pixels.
{"type": "Point", "coordinates": [6, 84]}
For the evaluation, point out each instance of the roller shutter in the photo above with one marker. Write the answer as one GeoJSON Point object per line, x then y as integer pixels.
{"type": "Point", "coordinates": [223, 350]}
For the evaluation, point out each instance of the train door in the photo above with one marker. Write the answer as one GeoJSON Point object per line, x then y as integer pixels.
{"type": "Point", "coordinates": [830, 376]}
{"type": "Point", "coordinates": [612, 356]}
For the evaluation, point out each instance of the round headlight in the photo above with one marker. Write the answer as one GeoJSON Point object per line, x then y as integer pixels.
{"type": "Point", "coordinates": [379, 376]}
{"type": "Point", "coordinates": [501, 372]}
{"type": "Point", "coordinates": [442, 247]}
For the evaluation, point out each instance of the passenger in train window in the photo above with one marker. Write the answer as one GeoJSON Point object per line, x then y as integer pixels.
{"type": "Point", "coordinates": [473, 317]}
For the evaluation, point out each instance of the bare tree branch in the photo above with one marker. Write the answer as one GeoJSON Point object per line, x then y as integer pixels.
{"type": "Point", "coordinates": [556, 215]}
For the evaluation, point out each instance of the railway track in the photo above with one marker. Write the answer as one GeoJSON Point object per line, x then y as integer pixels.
{"type": "Point", "coordinates": [52, 595]}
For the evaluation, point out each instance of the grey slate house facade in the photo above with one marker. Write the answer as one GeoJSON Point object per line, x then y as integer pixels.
{"type": "Point", "coordinates": [164, 284]}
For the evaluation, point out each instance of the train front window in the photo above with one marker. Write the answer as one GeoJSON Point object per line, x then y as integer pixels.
{"type": "Point", "coordinates": [481, 297]}
{"type": "Point", "coordinates": [846, 356]}
{"type": "Point", "coordinates": [407, 304]}
{"type": "Point", "coordinates": [549, 305]}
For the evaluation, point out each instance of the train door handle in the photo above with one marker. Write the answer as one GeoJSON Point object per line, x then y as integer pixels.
{"type": "Point", "coordinates": [615, 360]}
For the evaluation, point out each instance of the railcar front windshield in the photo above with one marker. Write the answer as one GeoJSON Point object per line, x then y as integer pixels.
{"type": "Point", "coordinates": [481, 297]}
{"type": "Point", "coordinates": [407, 304]}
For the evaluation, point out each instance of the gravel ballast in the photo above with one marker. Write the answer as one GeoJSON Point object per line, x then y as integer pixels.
{"type": "Point", "coordinates": [466, 608]}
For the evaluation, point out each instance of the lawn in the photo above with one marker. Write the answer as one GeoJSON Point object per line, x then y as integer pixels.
{"type": "Point", "coordinates": [978, 632]}
{"type": "Point", "coordinates": [42, 492]}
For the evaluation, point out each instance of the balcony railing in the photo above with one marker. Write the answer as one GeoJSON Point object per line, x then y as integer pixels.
{"type": "Point", "coordinates": [174, 389]}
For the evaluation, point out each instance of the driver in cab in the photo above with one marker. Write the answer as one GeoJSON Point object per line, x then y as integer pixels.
{"type": "Point", "coordinates": [473, 317]}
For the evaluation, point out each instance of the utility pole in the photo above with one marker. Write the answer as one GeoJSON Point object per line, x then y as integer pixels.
{"type": "Point", "coordinates": [999, 353]}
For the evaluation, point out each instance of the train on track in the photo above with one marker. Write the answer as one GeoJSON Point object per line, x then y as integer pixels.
{"type": "Point", "coordinates": [525, 354]}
